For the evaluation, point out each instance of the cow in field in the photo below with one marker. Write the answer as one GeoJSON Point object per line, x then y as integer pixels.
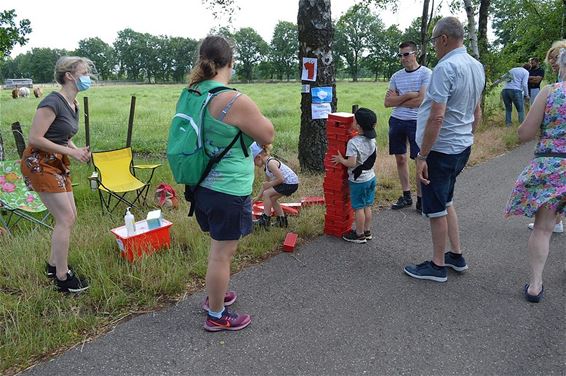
{"type": "Point", "coordinates": [15, 93]}
{"type": "Point", "coordinates": [37, 92]}
{"type": "Point", "coordinates": [23, 92]}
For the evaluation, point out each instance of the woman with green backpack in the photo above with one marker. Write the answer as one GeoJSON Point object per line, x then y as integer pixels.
{"type": "Point", "coordinates": [229, 121]}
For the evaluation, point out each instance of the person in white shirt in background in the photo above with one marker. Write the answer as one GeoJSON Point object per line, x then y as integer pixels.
{"type": "Point", "coordinates": [515, 92]}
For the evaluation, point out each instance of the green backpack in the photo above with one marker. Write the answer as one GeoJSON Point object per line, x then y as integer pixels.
{"type": "Point", "coordinates": [188, 159]}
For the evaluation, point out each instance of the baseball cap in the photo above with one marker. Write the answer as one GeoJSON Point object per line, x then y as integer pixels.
{"type": "Point", "coordinates": [366, 119]}
{"type": "Point", "coordinates": [256, 149]}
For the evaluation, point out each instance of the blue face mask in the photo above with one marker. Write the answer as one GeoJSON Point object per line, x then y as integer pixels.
{"type": "Point", "coordinates": [83, 83]}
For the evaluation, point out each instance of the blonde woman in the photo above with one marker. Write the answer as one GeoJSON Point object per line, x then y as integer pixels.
{"type": "Point", "coordinates": [46, 167]}
{"type": "Point", "coordinates": [540, 190]}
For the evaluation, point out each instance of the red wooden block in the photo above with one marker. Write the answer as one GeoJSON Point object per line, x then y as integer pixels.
{"type": "Point", "coordinates": [289, 242]}
{"type": "Point", "coordinates": [312, 200]}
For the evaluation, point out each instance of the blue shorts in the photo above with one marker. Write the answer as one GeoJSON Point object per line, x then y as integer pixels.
{"type": "Point", "coordinates": [399, 132]}
{"type": "Point", "coordinates": [286, 189]}
{"type": "Point", "coordinates": [442, 172]}
{"type": "Point", "coordinates": [225, 216]}
{"type": "Point", "coordinates": [362, 194]}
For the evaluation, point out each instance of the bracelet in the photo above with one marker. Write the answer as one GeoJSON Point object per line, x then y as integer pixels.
{"type": "Point", "coordinates": [421, 157]}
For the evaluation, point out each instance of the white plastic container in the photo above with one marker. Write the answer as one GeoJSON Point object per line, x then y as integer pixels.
{"type": "Point", "coordinates": [130, 223]}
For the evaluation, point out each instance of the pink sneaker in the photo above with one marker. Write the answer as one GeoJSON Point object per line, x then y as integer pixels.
{"type": "Point", "coordinates": [228, 321]}
{"type": "Point", "coordinates": [229, 299]}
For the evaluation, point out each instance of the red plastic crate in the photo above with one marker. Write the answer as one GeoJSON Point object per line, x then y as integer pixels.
{"type": "Point", "coordinates": [144, 242]}
{"type": "Point", "coordinates": [290, 242]}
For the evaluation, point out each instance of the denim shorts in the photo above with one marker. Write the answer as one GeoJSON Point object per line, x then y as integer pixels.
{"type": "Point", "coordinates": [399, 132]}
{"type": "Point", "coordinates": [362, 194]}
{"type": "Point", "coordinates": [442, 172]}
{"type": "Point", "coordinates": [286, 189]}
{"type": "Point", "coordinates": [224, 216]}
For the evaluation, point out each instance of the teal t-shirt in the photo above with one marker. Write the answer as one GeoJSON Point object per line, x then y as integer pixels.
{"type": "Point", "coordinates": [234, 174]}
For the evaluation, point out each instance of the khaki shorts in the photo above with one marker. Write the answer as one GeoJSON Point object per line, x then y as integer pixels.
{"type": "Point", "coordinates": [46, 172]}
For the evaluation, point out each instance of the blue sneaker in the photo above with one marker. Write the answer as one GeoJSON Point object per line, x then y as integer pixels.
{"type": "Point", "coordinates": [458, 264]}
{"type": "Point", "coordinates": [427, 271]}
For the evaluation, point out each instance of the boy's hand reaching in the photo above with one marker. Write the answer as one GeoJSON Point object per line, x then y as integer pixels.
{"type": "Point", "coordinates": [338, 158]}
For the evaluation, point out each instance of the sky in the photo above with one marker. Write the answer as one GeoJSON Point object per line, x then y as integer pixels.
{"type": "Point", "coordinates": [62, 24]}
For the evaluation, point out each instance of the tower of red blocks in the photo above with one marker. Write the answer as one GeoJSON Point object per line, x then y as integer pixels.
{"type": "Point", "coordinates": [339, 214]}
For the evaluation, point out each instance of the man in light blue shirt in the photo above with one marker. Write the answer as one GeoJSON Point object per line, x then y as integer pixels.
{"type": "Point", "coordinates": [515, 92]}
{"type": "Point", "coordinates": [446, 120]}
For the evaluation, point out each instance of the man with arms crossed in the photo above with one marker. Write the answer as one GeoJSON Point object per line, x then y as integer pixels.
{"type": "Point", "coordinates": [446, 120]}
{"type": "Point", "coordinates": [536, 74]}
{"type": "Point", "coordinates": [407, 88]}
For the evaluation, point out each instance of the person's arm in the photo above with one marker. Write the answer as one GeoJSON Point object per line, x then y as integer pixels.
{"type": "Point", "coordinates": [525, 82]}
{"type": "Point", "coordinates": [393, 99]}
{"type": "Point", "coordinates": [477, 117]}
{"type": "Point", "coordinates": [531, 125]}
{"type": "Point", "coordinates": [431, 132]}
{"type": "Point", "coordinates": [534, 80]}
{"type": "Point", "coordinates": [348, 161]}
{"type": "Point", "coordinates": [42, 120]}
{"type": "Point", "coordinates": [416, 102]}
{"type": "Point", "coordinates": [246, 115]}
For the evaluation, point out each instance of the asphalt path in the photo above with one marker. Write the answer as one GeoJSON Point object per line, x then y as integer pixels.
{"type": "Point", "coordinates": [335, 308]}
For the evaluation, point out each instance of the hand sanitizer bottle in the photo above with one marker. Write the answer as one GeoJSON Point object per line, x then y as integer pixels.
{"type": "Point", "coordinates": [130, 223]}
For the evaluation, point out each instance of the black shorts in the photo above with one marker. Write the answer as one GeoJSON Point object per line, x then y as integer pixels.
{"type": "Point", "coordinates": [224, 216]}
{"type": "Point", "coordinates": [401, 131]}
{"type": "Point", "coordinates": [286, 189]}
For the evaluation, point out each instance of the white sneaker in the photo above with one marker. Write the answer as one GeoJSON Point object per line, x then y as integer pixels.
{"type": "Point", "coordinates": [558, 228]}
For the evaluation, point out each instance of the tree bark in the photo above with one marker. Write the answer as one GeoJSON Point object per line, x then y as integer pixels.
{"type": "Point", "coordinates": [472, 28]}
{"type": "Point", "coordinates": [315, 41]}
{"type": "Point", "coordinates": [424, 29]}
{"type": "Point", "coordinates": [482, 28]}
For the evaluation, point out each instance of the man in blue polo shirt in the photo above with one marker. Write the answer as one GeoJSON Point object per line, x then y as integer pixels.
{"type": "Point", "coordinates": [445, 124]}
{"type": "Point", "coordinates": [406, 92]}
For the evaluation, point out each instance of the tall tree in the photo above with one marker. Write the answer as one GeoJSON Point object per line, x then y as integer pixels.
{"type": "Point", "coordinates": [424, 30]}
{"type": "Point", "coordinates": [101, 54]}
{"type": "Point", "coordinates": [250, 50]}
{"type": "Point", "coordinates": [472, 34]}
{"type": "Point", "coordinates": [352, 36]}
{"type": "Point", "coordinates": [383, 47]}
{"type": "Point", "coordinates": [316, 32]}
{"type": "Point", "coordinates": [482, 28]}
{"type": "Point", "coordinates": [10, 33]}
{"type": "Point", "coordinates": [284, 49]}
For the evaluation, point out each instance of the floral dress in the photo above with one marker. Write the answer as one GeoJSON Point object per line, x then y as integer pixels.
{"type": "Point", "coordinates": [543, 181]}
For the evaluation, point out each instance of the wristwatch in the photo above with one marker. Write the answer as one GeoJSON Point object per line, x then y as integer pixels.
{"type": "Point", "coordinates": [421, 157]}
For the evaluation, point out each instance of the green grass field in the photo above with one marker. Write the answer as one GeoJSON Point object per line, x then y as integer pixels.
{"type": "Point", "coordinates": [37, 322]}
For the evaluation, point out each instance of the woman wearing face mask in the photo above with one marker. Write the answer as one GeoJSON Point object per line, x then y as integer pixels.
{"type": "Point", "coordinates": [45, 163]}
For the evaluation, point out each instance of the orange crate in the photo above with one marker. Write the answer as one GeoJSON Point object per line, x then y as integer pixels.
{"type": "Point", "coordinates": [144, 242]}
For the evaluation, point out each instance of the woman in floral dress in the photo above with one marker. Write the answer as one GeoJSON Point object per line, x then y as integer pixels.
{"type": "Point", "coordinates": [540, 190]}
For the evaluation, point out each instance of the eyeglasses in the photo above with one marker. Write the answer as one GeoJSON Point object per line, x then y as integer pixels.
{"type": "Point", "coordinates": [405, 54]}
{"type": "Point", "coordinates": [431, 40]}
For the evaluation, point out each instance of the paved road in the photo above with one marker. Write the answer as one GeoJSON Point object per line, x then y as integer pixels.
{"type": "Point", "coordinates": [350, 309]}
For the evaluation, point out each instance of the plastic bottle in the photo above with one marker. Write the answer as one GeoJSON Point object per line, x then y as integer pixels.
{"type": "Point", "coordinates": [130, 223]}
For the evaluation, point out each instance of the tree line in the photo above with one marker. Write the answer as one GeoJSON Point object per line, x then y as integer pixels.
{"type": "Point", "coordinates": [362, 46]}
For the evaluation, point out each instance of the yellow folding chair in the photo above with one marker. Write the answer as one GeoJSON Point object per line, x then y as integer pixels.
{"type": "Point", "coordinates": [16, 200]}
{"type": "Point", "coordinates": [117, 178]}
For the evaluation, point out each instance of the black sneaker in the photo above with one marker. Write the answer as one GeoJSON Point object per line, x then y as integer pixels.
{"type": "Point", "coordinates": [50, 271]}
{"type": "Point", "coordinates": [367, 234]}
{"type": "Point", "coordinates": [282, 221]}
{"type": "Point", "coordinates": [352, 237]}
{"type": "Point", "coordinates": [71, 284]}
{"type": "Point", "coordinates": [402, 202]}
{"type": "Point", "coordinates": [419, 206]}
{"type": "Point", "coordinates": [264, 221]}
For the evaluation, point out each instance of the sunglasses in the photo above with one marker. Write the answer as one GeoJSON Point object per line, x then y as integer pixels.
{"type": "Point", "coordinates": [405, 54]}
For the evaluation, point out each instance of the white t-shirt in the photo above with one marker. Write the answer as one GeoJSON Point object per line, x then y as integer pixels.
{"type": "Point", "coordinates": [403, 82]}
{"type": "Point", "coordinates": [362, 148]}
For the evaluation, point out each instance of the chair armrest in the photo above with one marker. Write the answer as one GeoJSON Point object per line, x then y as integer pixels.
{"type": "Point", "coordinates": [147, 166]}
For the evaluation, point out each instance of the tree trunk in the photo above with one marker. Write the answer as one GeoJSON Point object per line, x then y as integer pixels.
{"type": "Point", "coordinates": [315, 40]}
{"type": "Point", "coordinates": [472, 28]}
{"type": "Point", "coordinates": [424, 30]}
{"type": "Point", "coordinates": [482, 28]}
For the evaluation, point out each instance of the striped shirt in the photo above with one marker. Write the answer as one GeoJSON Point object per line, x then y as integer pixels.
{"type": "Point", "coordinates": [404, 81]}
